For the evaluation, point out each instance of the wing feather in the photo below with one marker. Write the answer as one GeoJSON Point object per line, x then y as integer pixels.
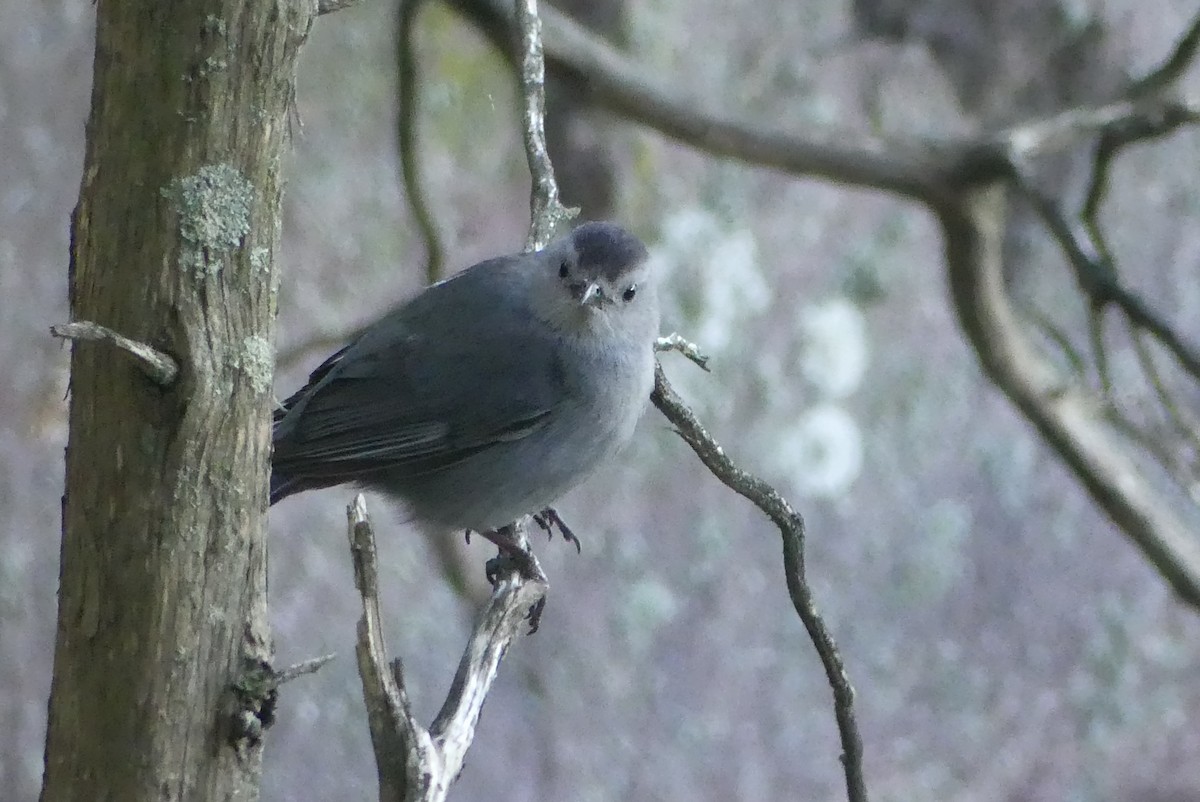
{"type": "Point", "coordinates": [418, 392]}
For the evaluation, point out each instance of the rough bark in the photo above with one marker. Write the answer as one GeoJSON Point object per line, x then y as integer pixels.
{"type": "Point", "coordinates": [162, 601]}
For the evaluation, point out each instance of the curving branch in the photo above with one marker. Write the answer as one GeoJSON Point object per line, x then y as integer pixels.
{"type": "Point", "coordinates": [791, 528]}
{"type": "Point", "coordinates": [409, 91]}
{"type": "Point", "coordinates": [1068, 419]}
{"type": "Point", "coordinates": [1180, 58]}
{"type": "Point", "coordinates": [1096, 274]}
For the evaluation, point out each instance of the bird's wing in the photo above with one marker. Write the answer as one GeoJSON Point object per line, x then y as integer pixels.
{"type": "Point", "coordinates": [399, 400]}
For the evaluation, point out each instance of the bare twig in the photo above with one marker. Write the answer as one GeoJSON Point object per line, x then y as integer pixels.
{"type": "Point", "coordinates": [1174, 65]}
{"type": "Point", "coordinates": [304, 667]}
{"type": "Point", "coordinates": [1185, 426]}
{"type": "Point", "coordinates": [330, 6]}
{"type": "Point", "coordinates": [791, 527]}
{"type": "Point", "coordinates": [546, 212]}
{"type": "Point", "coordinates": [675, 342]}
{"type": "Point", "coordinates": [1097, 275]}
{"type": "Point", "coordinates": [158, 367]}
{"type": "Point", "coordinates": [414, 763]}
{"type": "Point", "coordinates": [1095, 324]}
{"type": "Point", "coordinates": [409, 91]}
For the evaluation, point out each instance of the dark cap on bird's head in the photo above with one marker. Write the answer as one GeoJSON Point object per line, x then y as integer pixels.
{"type": "Point", "coordinates": [609, 248]}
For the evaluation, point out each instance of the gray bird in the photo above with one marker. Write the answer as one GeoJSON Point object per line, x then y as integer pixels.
{"type": "Point", "coordinates": [490, 394]}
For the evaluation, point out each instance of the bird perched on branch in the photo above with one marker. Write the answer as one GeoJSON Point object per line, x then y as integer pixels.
{"type": "Point", "coordinates": [490, 394]}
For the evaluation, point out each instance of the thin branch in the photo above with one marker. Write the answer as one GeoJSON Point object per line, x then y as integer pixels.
{"type": "Point", "coordinates": [1099, 352]}
{"type": "Point", "coordinates": [1151, 121]}
{"type": "Point", "coordinates": [675, 342]}
{"type": "Point", "coordinates": [1097, 275]}
{"type": "Point", "coordinates": [1129, 120]}
{"type": "Point", "coordinates": [1059, 338]}
{"type": "Point", "coordinates": [1068, 418]}
{"type": "Point", "coordinates": [1174, 65]}
{"type": "Point", "coordinates": [414, 763]}
{"type": "Point", "coordinates": [791, 527]}
{"type": "Point", "coordinates": [303, 668]}
{"type": "Point", "coordinates": [1176, 416]}
{"type": "Point", "coordinates": [330, 6]}
{"type": "Point", "coordinates": [409, 91]}
{"type": "Point", "coordinates": [158, 367]}
{"type": "Point", "coordinates": [546, 212]}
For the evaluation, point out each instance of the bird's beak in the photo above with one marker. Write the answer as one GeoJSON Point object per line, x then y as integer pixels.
{"type": "Point", "coordinates": [591, 295]}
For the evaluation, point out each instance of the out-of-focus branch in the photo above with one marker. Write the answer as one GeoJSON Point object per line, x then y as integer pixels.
{"type": "Point", "coordinates": [1174, 65]}
{"type": "Point", "coordinates": [546, 212]}
{"type": "Point", "coordinates": [919, 168]}
{"type": "Point", "coordinates": [415, 763]}
{"type": "Point", "coordinates": [409, 91]}
{"type": "Point", "coordinates": [1186, 428]}
{"type": "Point", "coordinates": [1070, 421]}
{"type": "Point", "coordinates": [1095, 271]}
{"type": "Point", "coordinates": [791, 527]}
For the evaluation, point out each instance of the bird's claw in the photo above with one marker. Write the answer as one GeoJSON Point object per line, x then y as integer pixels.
{"type": "Point", "coordinates": [534, 616]}
{"type": "Point", "coordinates": [548, 519]}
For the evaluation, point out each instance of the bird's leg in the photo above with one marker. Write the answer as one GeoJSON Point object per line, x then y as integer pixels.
{"type": "Point", "coordinates": [516, 555]}
{"type": "Point", "coordinates": [549, 518]}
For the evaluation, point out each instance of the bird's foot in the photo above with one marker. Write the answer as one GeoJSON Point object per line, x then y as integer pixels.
{"type": "Point", "coordinates": [548, 519]}
{"type": "Point", "coordinates": [515, 556]}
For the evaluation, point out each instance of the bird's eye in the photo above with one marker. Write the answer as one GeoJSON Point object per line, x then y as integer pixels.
{"type": "Point", "coordinates": [563, 269]}
{"type": "Point", "coordinates": [630, 291]}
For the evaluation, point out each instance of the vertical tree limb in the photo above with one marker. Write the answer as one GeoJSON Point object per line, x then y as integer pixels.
{"type": "Point", "coordinates": [162, 601]}
{"type": "Point", "coordinates": [546, 212]}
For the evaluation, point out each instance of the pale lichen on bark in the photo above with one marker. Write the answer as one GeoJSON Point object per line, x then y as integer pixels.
{"type": "Point", "coordinates": [213, 207]}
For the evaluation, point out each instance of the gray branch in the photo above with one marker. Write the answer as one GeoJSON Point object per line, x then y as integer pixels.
{"type": "Point", "coordinates": [303, 668]}
{"type": "Point", "coordinates": [546, 212]}
{"type": "Point", "coordinates": [330, 6]}
{"type": "Point", "coordinates": [415, 763]}
{"type": "Point", "coordinates": [159, 367]}
{"type": "Point", "coordinates": [791, 527]}
{"type": "Point", "coordinates": [675, 342]}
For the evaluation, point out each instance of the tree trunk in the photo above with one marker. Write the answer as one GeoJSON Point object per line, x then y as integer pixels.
{"type": "Point", "coordinates": [162, 598]}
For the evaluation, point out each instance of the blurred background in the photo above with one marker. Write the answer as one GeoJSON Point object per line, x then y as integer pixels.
{"type": "Point", "coordinates": [1006, 641]}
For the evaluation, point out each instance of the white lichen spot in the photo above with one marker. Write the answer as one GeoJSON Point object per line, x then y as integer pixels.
{"type": "Point", "coordinates": [257, 363]}
{"type": "Point", "coordinates": [213, 207]}
{"type": "Point", "coordinates": [650, 605]}
{"type": "Point", "coordinates": [713, 274]}
{"type": "Point", "coordinates": [822, 451]}
{"type": "Point", "coordinates": [834, 347]}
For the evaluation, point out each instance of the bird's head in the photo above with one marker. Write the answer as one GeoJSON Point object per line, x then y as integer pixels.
{"type": "Point", "coordinates": [597, 280]}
